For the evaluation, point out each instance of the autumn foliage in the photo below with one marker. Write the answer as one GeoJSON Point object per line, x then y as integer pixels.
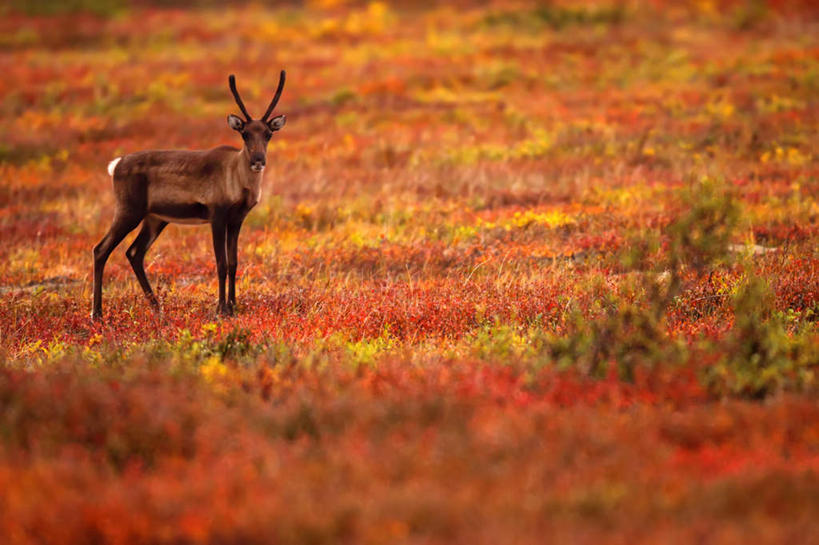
{"type": "Point", "coordinates": [521, 272]}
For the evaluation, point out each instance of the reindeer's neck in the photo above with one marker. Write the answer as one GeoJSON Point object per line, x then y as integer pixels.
{"type": "Point", "coordinates": [240, 166]}
{"type": "Point", "coordinates": [243, 180]}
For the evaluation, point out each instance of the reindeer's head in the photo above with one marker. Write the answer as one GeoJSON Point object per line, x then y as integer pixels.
{"type": "Point", "coordinates": [256, 133]}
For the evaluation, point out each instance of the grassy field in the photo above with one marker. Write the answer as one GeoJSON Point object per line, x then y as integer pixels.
{"type": "Point", "coordinates": [520, 273]}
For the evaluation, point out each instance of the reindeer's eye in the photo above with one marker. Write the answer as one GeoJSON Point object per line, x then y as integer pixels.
{"type": "Point", "coordinates": [267, 135]}
{"type": "Point", "coordinates": [245, 136]}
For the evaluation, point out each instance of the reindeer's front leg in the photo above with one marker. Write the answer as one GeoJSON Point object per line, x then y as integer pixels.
{"type": "Point", "coordinates": [233, 228]}
{"type": "Point", "coordinates": [218, 228]}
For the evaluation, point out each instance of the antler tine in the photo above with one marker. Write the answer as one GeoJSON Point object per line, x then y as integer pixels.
{"type": "Point", "coordinates": [232, 82]}
{"type": "Point", "coordinates": [276, 97]}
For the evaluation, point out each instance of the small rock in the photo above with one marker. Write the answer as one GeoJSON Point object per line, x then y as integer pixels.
{"type": "Point", "coordinates": [755, 249]}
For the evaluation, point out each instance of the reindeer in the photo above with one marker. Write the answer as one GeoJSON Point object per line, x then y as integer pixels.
{"type": "Point", "coordinates": [217, 186]}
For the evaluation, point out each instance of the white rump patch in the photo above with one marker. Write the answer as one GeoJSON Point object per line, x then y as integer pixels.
{"type": "Point", "coordinates": [112, 165]}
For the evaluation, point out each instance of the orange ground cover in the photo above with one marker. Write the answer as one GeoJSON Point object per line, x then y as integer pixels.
{"type": "Point", "coordinates": [521, 273]}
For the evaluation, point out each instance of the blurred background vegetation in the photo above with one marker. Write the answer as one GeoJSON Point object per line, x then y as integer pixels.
{"type": "Point", "coordinates": [114, 7]}
{"type": "Point", "coordinates": [556, 14]}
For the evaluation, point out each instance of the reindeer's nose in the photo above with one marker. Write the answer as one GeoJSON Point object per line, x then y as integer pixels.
{"type": "Point", "coordinates": [257, 163]}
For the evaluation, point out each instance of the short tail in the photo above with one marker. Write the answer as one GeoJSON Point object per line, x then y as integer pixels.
{"type": "Point", "coordinates": [112, 165]}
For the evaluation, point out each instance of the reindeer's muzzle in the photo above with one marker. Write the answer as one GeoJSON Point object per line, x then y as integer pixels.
{"type": "Point", "coordinates": [257, 162]}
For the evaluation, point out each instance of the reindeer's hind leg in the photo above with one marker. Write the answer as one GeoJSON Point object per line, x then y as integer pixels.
{"type": "Point", "coordinates": [151, 228]}
{"type": "Point", "coordinates": [123, 224]}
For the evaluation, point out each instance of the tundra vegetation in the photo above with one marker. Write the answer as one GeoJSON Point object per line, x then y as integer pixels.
{"type": "Point", "coordinates": [519, 271]}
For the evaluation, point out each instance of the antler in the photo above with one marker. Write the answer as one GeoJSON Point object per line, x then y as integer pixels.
{"type": "Point", "coordinates": [276, 97]}
{"type": "Point", "coordinates": [232, 82]}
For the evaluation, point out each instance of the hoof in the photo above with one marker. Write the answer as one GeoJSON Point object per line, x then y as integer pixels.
{"type": "Point", "coordinates": [155, 306]}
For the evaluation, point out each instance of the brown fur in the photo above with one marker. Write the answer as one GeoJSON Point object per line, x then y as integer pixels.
{"type": "Point", "coordinates": [185, 186]}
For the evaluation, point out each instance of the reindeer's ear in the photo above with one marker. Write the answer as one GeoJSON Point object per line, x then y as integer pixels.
{"type": "Point", "coordinates": [276, 123]}
{"type": "Point", "coordinates": [235, 122]}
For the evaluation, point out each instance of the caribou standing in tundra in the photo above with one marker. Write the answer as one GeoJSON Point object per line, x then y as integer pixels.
{"type": "Point", "coordinates": [217, 186]}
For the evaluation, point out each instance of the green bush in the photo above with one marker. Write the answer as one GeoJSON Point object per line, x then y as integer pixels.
{"type": "Point", "coordinates": [627, 335]}
{"type": "Point", "coordinates": [632, 333]}
{"type": "Point", "coordinates": [699, 238]}
{"type": "Point", "coordinates": [50, 7]}
{"type": "Point", "coordinates": [759, 357]}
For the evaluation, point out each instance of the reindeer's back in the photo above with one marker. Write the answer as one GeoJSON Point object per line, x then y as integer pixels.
{"type": "Point", "coordinates": [157, 179]}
